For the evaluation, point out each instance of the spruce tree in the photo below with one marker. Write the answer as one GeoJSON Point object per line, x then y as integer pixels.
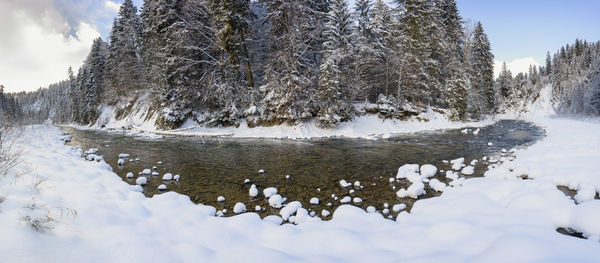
{"type": "Point", "coordinates": [335, 94]}
{"type": "Point", "coordinates": [481, 74]}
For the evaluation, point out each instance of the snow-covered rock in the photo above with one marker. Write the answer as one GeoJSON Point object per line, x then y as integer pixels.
{"type": "Point", "coordinates": [407, 170]}
{"type": "Point", "coordinates": [428, 170]}
{"type": "Point", "coordinates": [220, 199]}
{"type": "Point", "coordinates": [457, 164]}
{"type": "Point", "coordinates": [325, 213]}
{"type": "Point", "coordinates": [124, 155]}
{"type": "Point", "coordinates": [346, 200]}
{"type": "Point", "coordinates": [253, 192]}
{"type": "Point", "coordinates": [176, 177]}
{"type": "Point", "coordinates": [371, 209]}
{"type": "Point", "coordinates": [167, 177]}
{"type": "Point", "coordinates": [436, 185]}
{"type": "Point", "coordinates": [357, 200]}
{"type": "Point", "coordinates": [141, 180]}
{"type": "Point", "coordinates": [129, 175]}
{"type": "Point", "coordinates": [468, 170]}
{"type": "Point", "coordinates": [344, 184]}
{"type": "Point", "coordinates": [239, 208]}
{"type": "Point", "coordinates": [147, 171]}
{"type": "Point", "coordinates": [269, 191]}
{"type": "Point", "coordinates": [289, 210]}
{"type": "Point", "coordinates": [275, 201]}
{"type": "Point", "coordinates": [162, 187]}
{"type": "Point", "coordinates": [398, 207]}
{"type": "Point", "coordinates": [314, 201]}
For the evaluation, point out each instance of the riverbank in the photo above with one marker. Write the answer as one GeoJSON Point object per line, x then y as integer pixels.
{"type": "Point", "coordinates": [88, 214]}
{"type": "Point", "coordinates": [367, 126]}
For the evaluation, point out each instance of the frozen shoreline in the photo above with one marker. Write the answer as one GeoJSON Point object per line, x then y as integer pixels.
{"type": "Point", "coordinates": [497, 218]}
{"type": "Point", "coordinates": [366, 126]}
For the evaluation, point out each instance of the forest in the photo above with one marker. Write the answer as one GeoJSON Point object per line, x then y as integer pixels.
{"type": "Point", "coordinates": [283, 61]}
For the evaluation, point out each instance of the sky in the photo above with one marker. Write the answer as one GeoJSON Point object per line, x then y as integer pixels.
{"type": "Point", "coordinates": [40, 39]}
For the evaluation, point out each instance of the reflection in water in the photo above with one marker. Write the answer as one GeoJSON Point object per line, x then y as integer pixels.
{"type": "Point", "coordinates": [218, 167]}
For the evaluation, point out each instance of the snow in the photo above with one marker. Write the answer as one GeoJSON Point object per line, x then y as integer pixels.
{"type": "Point", "coordinates": [269, 191]}
{"type": "Point", "coordinates": [314, 201]}
{"type": "Point", "coordinates": [176, 177]}
{"type": "Point", "coordinates": [325, 213]}
{"type": "Point", "coordinates": [162, 187]}
{"type": "Point", "coordinates": [239, 208]}
{"type": "Point", "coordinates": [407, 170]}
{"type": "Point", "coordinates": [124, 155]}
{"type": "Point", "coordinates": [357, 200]}
{"type": "Point", "coordinates": [120, 162]}
{"type": "Point", "coordinates": [220, 199]}
{"type": "Point", "coordinates": [496, 218]}
{"type": "Point", "coordinates": [167, 177]}
{"type": "Point", "coordinates": [371, 209]}
{"type": "Point", "coordinates": [367, 126]}
{"type": "Point", "coordinates": [129, 175]}
{"type": "Point", "coordinates": [289, 210]}
{"type": "Point", "coordinates": [147, 171]}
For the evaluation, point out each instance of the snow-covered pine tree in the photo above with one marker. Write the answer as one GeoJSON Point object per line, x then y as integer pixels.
{"type": "Point", "coordinates": [335, 94]}
{"type": "Point", "coordinates": [91, 84]}
{"type": "Point", "coordinates": [363, 59]}
{"type": "Point", "coordinates": [481, 74]}
{"type": "Point", "coordinates": [453, 71]}
{"type": "Point", "coordinates": [125, 68]}
{"type": "Point", "coordinates": [178, 54]}
{"type": "Point", "coordinates": [288, 81]}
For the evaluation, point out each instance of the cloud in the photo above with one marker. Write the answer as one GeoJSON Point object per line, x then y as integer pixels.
{"type": "Point", "coordinates": [516, 66]}
{"type": "Point", "coordinates": [39, 44]}
{"type": "Point", "coordinates": [112, 6]}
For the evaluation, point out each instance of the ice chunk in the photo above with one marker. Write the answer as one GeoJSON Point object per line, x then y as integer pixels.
{"type": "Point", "coordinates": [239, 208]}
{"type": "Point", "coordinates": [269, 191]}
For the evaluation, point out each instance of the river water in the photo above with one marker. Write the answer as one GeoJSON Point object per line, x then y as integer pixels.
{"type": "Point", "coordinates": [218, 167]}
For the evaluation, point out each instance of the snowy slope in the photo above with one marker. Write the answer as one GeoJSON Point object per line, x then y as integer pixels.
{"type": "Point", "coordinates": [96, 217]}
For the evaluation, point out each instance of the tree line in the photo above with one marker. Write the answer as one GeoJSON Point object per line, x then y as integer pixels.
{"type": "Point", "coordinates": [283, 61]}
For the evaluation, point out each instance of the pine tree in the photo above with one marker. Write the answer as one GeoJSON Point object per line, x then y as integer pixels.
{"type": "Point", "coordinates": [548, 64]}
{"type": "Point", "coordinates": [481, 74]}
{"type": "Point", "coordinates": [288, 82]}
{"type": "Point", "coordinates": [125, 66]}
{"type": "Point", "coordinates": [335, 94]}
{"type": "Point", "coordinates": [453, 60]}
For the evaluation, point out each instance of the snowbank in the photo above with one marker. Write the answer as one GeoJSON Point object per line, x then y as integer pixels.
{"type": "Point", "coordinates": [96, 217]}
{"type": "Point", "coordinates": [367, 126]}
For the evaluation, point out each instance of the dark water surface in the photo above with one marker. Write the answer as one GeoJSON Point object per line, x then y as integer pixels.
{"type": "Point", "coordinates": [218, 167]}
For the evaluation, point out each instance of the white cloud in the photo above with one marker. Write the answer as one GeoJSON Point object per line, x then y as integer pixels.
{"type": "Point", "coordinates": [112, 6]}
{"type": "Point", "coordinates": [515, 66]}
{"type": "Point", "coordinates": [38, 44]}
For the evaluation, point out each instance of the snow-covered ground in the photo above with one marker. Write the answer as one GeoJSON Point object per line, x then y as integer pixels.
{"type": "Point", "coordinates": [88, 214]}
{"type": "Point", "coordinates": [366, 126]}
